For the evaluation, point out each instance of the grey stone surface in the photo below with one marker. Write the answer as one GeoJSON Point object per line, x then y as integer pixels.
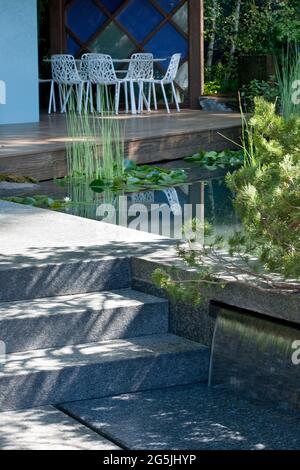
{"type": "Point", "coordinates": [190, 417]}
{"type": "Point", "coordinates": [198, 324]}
{"type": "Point", "coordinates": [65, 278]}
{"type": "Point", "coordinates": [81, 318]}
{"type": "Point", "coordinates": [47, 429]}
{"type": "Point", "coordinates": [93, 370]}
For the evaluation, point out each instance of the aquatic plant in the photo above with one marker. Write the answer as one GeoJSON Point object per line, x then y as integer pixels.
{"type": "Point", "coordinates": [9, 178]}
{"type": "Point", "coordinates": [96, 145]}
{"type": "Point", "coordinates": [138, 177]}
{"type": "Point", "coordinates": [42, 201]}
{"type": "Point", "coordinates": [213, 160]}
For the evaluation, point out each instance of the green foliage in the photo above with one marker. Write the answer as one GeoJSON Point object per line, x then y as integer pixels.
{"type": "Point", "coordinates": [17, 179]}
{"type": "Point", "coordinates": [288, 73]}
{"type": "Point", "coordinates": [268, 193]}
{"type": "Point", "coordinates": [136, 177]}
{"type": "Point", "coordinates": [212, 88]}
{"type": "Point", "coordinates": [44, 202]}
{"type": "Point", "coordinates": [267, 198]}
{"type": "Point", "coordinates": [96, 147]}
{"type": "Point", "coordinates": [213, 160]}
{"type": "Point", "coordinates": [268, 90]}
{"type": "Point", "coordinates": [263, 28]}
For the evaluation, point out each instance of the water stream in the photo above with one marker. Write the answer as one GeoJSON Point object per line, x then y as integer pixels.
{"type": "Point", "coordinates": [256, 356]}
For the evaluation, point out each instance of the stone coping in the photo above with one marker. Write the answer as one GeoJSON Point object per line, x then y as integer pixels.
{"type": "Point", "coordinates": [31, 236]}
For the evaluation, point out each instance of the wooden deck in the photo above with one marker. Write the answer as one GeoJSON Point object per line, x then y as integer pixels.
{"type": "Point", "coordinates": [38, 150]}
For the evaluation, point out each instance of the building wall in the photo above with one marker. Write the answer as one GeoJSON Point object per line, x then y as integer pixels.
{"type": "Point", "coordinates": [19, 61]}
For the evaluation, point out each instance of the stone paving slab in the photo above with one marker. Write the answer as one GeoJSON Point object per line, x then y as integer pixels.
{"type": "Point", "coordinates": [47, 429]}
{"type": "Point", "coordinates": [191, 417]}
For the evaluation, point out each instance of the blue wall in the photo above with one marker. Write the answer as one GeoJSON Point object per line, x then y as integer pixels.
{"type": "Point", "coordinates": [19, 61]}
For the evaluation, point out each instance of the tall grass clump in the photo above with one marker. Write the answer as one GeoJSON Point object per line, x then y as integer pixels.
{"type": "Point", "coordinates": [288, 75]}
{"type": "Point", "coordinates": [96, 145]}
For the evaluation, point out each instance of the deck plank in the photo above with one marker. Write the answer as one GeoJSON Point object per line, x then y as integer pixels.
{"type": "Point", "coordinates": [38, 149]}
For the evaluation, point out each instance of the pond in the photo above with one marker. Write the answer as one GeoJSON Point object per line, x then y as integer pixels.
{"type": "Point", "coordinates": [160, 211]}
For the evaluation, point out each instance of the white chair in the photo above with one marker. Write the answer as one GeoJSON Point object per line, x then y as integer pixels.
{"type": "Point", "coordinates": [168, 79]}
{"type": "Point", "coordinates": [140, 69]}
{"type": "Point", "coordinates": [52, 100]}
{"type": "Point", "coordinates": [84, 75]}
{"type": "Point", "coordinates": [66, 75]}
{"type": "Point", "coordinates": [101, 72]}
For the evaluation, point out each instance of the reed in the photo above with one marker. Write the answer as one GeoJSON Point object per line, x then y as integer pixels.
{"type": "Point", "coordinates": [95, 147]}
{"type": "Point", "coordinates": [288, 75]}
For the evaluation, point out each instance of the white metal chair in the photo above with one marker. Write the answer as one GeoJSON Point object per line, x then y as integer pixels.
{"type": "Point", "coordinates": [102, 73]}
{"type": "Point", "coordinates": [140, 69]}
{"type": "Point", "coordinates": [84, 74]}
{"type": "Point", "coordinates": [168, 79]}
{"type": "Point", "coordinates": [66, 75]}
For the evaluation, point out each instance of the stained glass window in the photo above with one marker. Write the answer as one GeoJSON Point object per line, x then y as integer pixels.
{"type": "Point", "coordinates": [113, 41]}
{"type": "Point", "coordinates": [140, 18]}
{"type": "Point", "coordinates": [84, 18]}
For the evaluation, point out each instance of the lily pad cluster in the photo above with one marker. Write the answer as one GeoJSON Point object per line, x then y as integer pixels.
{"type": "Point", "coordinates": [214, 160]}
{"type": "Point", "coordinates": [44, 202]}
{"type": "Point", "coordinates": [17, 179]}
{"type": "Point", "coordinates": [140, 177]}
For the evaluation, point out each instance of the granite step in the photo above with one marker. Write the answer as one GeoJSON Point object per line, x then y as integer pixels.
{"type": "Point", "coordinates": [81, 372]}
{"type": "Point", "coordinates": [37, 280]}
{"type": "Point", "coordinates": [46, 428]}
{"type": "Point", "coordinates": [190, 417]}
{"type": "Point", "coordinates": [81, 318]}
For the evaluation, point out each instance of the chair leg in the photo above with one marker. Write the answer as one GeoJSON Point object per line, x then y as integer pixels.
{"type": "Point", "coordinates": [165, 97]}
{"type": "Point", "coordinates": [66, 97]}
{"type": "Point", "coordinates": [175, 97]}
{"type": "Point", "coordinates": [91, 98]}
{"type": "Point", "coordinates": [149, 97]}
{"type": "Point", "coordinates": [107, 98]}
{"type": "Point", "coordinates": [98, 99]}
{"type": "Point", "coordinates": [51, 97]}
{"type": "Point", "coordinates": [87, 96]}
{"type": "Point", "coordinates": [54, 99]}
{"type": "Point", "coordinates": [132, 98]}
{"type": "Point", "coordinates": [126, 97]}
{"type": "Point", "coordinates": [154, 96]}
{"type": "Point", "coordinates": [60, 92]}
{"type": "Point", "coordinates": [80, 98]}
{"type": "Point", "coordinates": [117, 97]}
{"type": "Point", "coordinates": [140, 101]}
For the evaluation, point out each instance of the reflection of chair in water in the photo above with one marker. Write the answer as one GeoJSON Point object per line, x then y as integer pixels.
{"type": "Point", "coordinates": [149, 197]}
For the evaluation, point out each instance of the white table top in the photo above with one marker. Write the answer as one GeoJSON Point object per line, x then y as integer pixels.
{"type": "Point", "coordinates": [117, 60]}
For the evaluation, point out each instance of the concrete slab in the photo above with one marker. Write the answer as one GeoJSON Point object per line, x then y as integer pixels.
{"type": "Point", "coordinates": [189, 417]}
{"type": "Point", "coordinates": [47, 429]}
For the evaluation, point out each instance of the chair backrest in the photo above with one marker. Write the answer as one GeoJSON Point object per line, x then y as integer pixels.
{"type": "Point", "coordinates": [101, 69]}
{"type": "Point", "coordinates": [172, 68]}
{"type": "Point", "coordinates": [64, 70]}
{"type": "Point", "coordinates": [140, 67]}
{"type": "Point", "coordinates": [84, 64]}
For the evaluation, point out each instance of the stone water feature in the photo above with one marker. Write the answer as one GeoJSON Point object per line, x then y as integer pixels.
{"type": "Point", "coordinates": [257, 357]}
